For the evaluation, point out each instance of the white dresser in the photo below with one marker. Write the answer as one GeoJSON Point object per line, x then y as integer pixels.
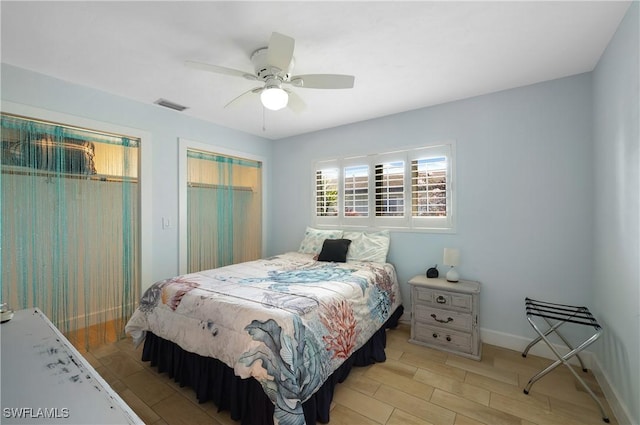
{"type": "Point", "coordinates": [445, 315]}
{"type": "Point", "coordinates": [45, 380]}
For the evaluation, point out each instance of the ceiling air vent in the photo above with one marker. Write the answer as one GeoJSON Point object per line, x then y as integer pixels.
{"type": "Point", "coordinates": [171, 105]}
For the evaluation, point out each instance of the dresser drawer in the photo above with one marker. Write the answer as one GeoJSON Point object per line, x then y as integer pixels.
{"type": "Point", "coordinates": [450, 339]}
{"type": "Point", "coordinates": [444, 299]}
{"type": "Point", "coordinates": [444, 318]}
{"type": "Point", "coordinates": [423, 294]}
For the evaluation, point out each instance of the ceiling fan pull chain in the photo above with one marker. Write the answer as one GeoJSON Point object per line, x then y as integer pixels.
{"type": "Point", "coordinates": [264, 114]}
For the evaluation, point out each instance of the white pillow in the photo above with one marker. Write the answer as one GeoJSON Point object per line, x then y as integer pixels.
{"type": "Point", "coordinates": [364, 246]}
{"type": "Point", "coordinates": [314, 238]}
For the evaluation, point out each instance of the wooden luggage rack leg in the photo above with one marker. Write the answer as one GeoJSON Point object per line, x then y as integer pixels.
{"type": "Point", "coordinates": [561, 314]}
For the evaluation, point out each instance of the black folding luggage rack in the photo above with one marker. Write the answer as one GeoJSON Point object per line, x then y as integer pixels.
{"type": "Point", "coordinates": [561, 314]}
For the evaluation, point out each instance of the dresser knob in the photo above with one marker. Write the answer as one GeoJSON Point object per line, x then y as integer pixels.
{"type": "Point", "coordinates": [441, 300]}
{"type": "Point", "coordinates": [435, 335]}
{"type": "Point", "coordinates": [448, 338]}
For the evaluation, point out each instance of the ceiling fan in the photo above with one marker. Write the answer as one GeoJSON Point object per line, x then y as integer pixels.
{"type": "Point", "coordinates": [273, 65]}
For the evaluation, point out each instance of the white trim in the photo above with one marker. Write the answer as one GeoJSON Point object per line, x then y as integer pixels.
{"type": "Point", "coordinates": [618, 408]}
{"type": "Point", "coordinates": [519, 343]}
{"type": "Point", "coordinates": [183, 146]}
{"type": "Point", "coordinates": [98, 317]}
{"type": "Point", "coordinates": [145, 181]}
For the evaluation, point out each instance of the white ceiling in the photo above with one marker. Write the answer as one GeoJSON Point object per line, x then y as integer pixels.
{"type": "Point", "coordinates": [404, 55]}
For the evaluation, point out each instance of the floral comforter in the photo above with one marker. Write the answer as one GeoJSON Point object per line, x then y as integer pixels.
{"type": "Point", "coordinates": [288, 321]}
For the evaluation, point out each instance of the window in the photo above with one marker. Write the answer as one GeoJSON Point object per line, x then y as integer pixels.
{"type": "Point", "coordinates": [409, 189]}
{"type": "Point", "coordinates": [390, 189]}
{"type": "Point", "coordinates": [429, 187]}
{"type": "Point", "coordinates": [327, 192]}
{"type": "Point", "coordinates": [356, 191]}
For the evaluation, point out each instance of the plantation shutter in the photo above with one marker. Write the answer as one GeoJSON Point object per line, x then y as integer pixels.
{"type": "Point", "coordinates": [429, 187]}
{"type": "Point", "coordinates": [389, 182]}
{"type": "Point", "coordinates": [326, 194]}
{"type": "Point", "coordinates": [356, 191]}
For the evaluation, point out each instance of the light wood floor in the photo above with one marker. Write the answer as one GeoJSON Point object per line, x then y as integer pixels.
{"type": "Point", "coordinates": [415, 386]}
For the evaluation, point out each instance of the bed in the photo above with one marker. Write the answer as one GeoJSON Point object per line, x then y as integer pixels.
{"type": "Point", "coordinates": [269, 339]}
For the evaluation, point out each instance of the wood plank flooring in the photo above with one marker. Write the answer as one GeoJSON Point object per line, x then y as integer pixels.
{"type": "Point", "coordinates": [415, 386]}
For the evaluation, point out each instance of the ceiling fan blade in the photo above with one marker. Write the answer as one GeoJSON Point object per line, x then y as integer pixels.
{"type": "Point", "coordinates": [280, 51]}
{"type": "Point", "coordinates": [243, 95]}
{"type": "Point", "coordinates": [323, 81]}
{"type": "Point", "coordinates": [296, 104]}
{"type": "Point", "coordinates": [219, 70]}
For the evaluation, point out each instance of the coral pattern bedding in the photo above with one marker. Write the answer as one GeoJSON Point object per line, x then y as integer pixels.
{"type": "Point", "coordinates": [288, 321]}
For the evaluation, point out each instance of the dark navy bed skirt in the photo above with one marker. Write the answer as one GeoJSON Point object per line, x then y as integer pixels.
{"type": "Point", "coordinates": [244, 398]}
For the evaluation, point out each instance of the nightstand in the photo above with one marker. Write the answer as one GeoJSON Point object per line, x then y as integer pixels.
{"type": "Point", "coordinates": [445, 315]}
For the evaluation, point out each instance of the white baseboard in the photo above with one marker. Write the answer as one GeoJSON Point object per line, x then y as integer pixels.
{"type": "Point", "coordinates": [620, 410]}
{"type": "Point", "coordinates": [518, 343]}
{"type": "Point", "coordinates": [96, 317]}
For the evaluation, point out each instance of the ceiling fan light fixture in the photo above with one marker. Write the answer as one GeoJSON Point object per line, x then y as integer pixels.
{"type": "Point", "coordinates": [274, 98]}
{"type": "Point", "coordinates": [273, 65]}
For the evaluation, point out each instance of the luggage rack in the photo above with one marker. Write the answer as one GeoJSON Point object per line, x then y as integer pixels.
{"type": "Point", "coordinates": [561, 314]}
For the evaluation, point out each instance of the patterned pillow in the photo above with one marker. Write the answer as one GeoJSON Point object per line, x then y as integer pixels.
{"type": "Point", "coordinates": [364, 246]}
{"type": "Point", "coordinates": [314, 238]}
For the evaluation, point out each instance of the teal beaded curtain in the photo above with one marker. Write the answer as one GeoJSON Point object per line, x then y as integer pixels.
{"type": "Point", "coordinates": [70, 226]}
{"type": "Point", "coordinates": [224, 210]}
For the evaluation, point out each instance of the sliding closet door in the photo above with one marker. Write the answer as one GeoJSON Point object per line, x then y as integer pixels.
{"type": "Point", "coordinates": [70, 226]}
{"type": "Point", "coordinates": [224, 210]}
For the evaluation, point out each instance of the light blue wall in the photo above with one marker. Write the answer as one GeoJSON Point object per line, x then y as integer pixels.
{"type": "Point", "coordinates": [526, 179]}
{"type": "Point", "coordinates": [164, 125]}
{"type": "Point", "coordinates": [524, 165]}
{"type": "Point", "coordinates": [616, 266]}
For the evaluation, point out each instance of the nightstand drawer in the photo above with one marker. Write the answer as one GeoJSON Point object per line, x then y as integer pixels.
{"type": "Point", "coordinates": [455, 341]}
{"type": "Point", "coordinates": [444, 299]}
{"type": "Point", "coordinates": [423, 294]}
{"type": "Point", "coordinates": [444, 318]}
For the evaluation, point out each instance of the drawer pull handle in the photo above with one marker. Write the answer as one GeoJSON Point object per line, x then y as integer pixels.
{"type": "Point", "coordinates": [449, 319]}
{"type": "Point", "coordinates": [435, 335]}
{"type": "Point", "coordinates": [441, 300]}
{"type": "Point", "coordinates": [448, 338]}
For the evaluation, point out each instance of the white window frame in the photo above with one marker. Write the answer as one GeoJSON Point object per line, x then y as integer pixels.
{"type": "Point", "coordinates": [445, 224]}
